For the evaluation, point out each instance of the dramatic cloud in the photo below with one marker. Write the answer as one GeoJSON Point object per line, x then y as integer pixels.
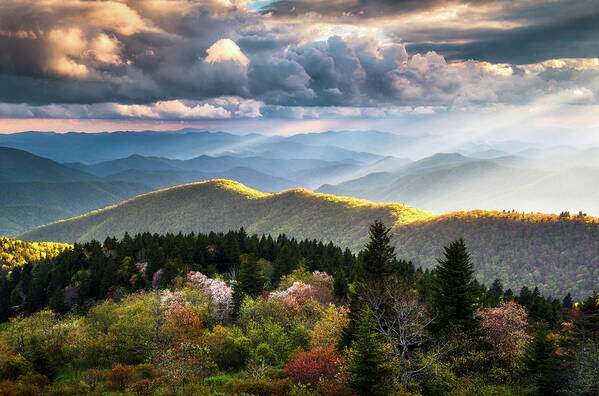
{"type": "Point", "coordinates": [223, 59]}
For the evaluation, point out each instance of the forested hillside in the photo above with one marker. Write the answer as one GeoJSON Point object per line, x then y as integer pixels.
{"type": "Point", "coordinates": [25, 205]}
{"type": "Point", "coordinates": [559, 254]}
{"type": "Point", "coordinates": [14, 253]}
{"type": "Point", "coordinates": [221, 205]}
{"type": "Point", "coordinates": [556, 253]}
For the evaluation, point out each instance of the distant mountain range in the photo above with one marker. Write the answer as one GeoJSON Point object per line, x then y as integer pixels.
{"type": "Point", "coordinates": [104, 169]}
{"type": "Point", "coordinates": [557, 253]}
{"type": "Point", "coordinates": [448, 182]}
{"type": "Point", "coordinates": [91, 148]}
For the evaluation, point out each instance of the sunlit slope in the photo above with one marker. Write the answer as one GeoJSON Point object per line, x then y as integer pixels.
{"type": "Point", "coordinates": [220, 205]}
{"type": "Point", "coordinates": [557, 254]}
{"type": "Point", "coordinates": [14, 253]}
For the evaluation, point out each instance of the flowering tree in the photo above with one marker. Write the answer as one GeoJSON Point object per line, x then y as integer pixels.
{"type": "Point", "coordinates": [219, 292]}
{"type": "Point", "coordinates": [299, 292]}
{"type": "Point", "coordinates": [507, 327]}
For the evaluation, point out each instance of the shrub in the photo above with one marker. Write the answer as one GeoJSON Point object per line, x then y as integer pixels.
{"type": "Point", "coordinates": [7, 388]}
{"type": "Point", "coordinates": [11, 365]}
{"type": "Point", "coordinates": [121, 376]}
{"type": "Point", "coordinates": [260, 386]}
{"type": "Point", "coordinates": [309, 367]}
{"type": "Point", "coordinates": [143, 387]}
{"type": "Point", "coordinates": [93, 378]}
{"type": "Point", "coordinates": [145, 371]}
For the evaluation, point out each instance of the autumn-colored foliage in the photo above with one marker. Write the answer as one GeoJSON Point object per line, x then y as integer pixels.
{"type": "Point", "coordinates": [309, 367]}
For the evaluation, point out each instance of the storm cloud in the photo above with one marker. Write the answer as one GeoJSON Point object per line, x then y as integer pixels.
{"type": "Point", "coordinates": [221, 59]}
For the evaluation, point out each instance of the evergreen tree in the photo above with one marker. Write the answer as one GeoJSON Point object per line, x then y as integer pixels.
{"type": "Point", "coordinates": [57, 303]}
{"type": "Point", "coordinates": [250, 282]}
{"type": "Point", "coordinates": [455, 293]}
{"type": "Point", "coordinates": [567, 302]}
{"type": "Point", "coordinates": [542, 362]}
{"type": "Point", "coordinates": [494, 293]}
{"type": "Point", "coordinates": [378, 257]}
{"type": "Point", "coordinates": [340, 286]}
{"type": "Point", "coordinates": [369, 369]}
{"type": "Point", "coordinates": [377, 266]}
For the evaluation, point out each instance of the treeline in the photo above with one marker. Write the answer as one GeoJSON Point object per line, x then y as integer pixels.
{"type": "Point", "coordinates": [232, 313]}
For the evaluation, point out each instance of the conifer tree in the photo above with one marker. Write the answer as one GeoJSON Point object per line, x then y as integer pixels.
{"type": "Point", "coordinates": [340, 286]}
{"type": "Point", "coordinates": [567, 302]}
{"type": "Point", "coordinates": [455, 293]}
{"type": "Point", "coordinates": [378, 257]}
{"type": "Point", "coordinates": [377, 266]}
{"type": "Point", "coordinates": [542, 362]}
{"type": "Point", "coordinates": [250, 282]}
{"type": "Point", "coordinates": [369, 369]}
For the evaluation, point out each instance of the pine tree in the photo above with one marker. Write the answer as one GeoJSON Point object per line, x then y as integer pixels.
{"type": "Point", "coordinates": [377, 266]}
{"type": "Point", "coordinates": [542, 362]}
{"type": "Point", "coordinates": [494, 293]}
{"type": "Point", "coordinates": [455, 293]}
{"type": "Point", "coordinates": [369, 369]}
{"type": "Point", "coordinates": [340, 286]}
{"type": "Point", "coordinates": [57, 303]}
{"type": "Point", "coordinates": [250, 282]}
{"type": "Point", "coordinates": [378, 257]}
{"type": "Point", "coordinates": [567, 302]}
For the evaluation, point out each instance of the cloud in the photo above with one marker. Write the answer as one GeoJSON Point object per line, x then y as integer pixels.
{"type": "Point", "coordinates": [226, 50]}
{"type": "Point", "coordinates": [217, 59]}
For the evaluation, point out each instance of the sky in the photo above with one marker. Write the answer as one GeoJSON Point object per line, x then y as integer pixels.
{"type": "Point", "coordinates": [481, 68]}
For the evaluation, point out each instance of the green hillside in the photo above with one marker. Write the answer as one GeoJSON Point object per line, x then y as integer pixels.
{"type": "Point", "coordinates": [556, 253]}
{"type": "Point", "coordinates": [16, 219]}
{"type": "Point", "coordinates": [24, 206]}
{"type": "Point", "coordinates": [18, 165]}
{"type": "Point", "coordinates": [220, 205]}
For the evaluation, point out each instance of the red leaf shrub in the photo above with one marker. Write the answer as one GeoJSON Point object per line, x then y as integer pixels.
{"type": "Point", "coordinates": [308, 367]}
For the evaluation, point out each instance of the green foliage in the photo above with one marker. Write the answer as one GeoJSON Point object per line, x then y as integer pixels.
{"type": "Point", "coordinates": [542, 362]}
{"type": "Point", "coordinates": [369, 370]}
{"type": "Point", "coordinates": [556, 253]}
{"type": "Point", "coordinates": [377, 265]}
{"type": "Point", "coordinates": [221, 205]}
{"type": "Point", "coordinates": [455, 295]}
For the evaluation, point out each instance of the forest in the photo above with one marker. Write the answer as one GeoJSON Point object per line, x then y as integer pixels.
{"type": "Point", "coordinates": [239, 314]}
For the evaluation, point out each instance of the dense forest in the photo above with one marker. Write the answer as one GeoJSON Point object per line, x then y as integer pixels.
{"type": "Point", "coordinates": [557, 253]}
{"type": "Point", "coordinates": [232, 313]}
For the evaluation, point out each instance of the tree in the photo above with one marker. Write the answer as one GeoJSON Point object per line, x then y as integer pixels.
{"type": "Point", "coordinates": [542, 362]}
{"type": "Point", "coordinates": [494, 293]}
{"type": "Point", "coordinates": [506, 329]}
{"type": "Point", "coordinates": [378, 257]}
{"type": "Point", "coordinates": [404, 327]}
{"type": "Point", "coordinates": [250, 282]}
{"type": "Point", "coordinates": [340, 286]}
{"type": "Point", "coordinates": [455, 293]}
{"type": "Point", "coordinates": [377, 266]}
{"type": "Point", "coordinates": [369, 369]}
{"type": "Point", "coordinates": [567, 302]}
